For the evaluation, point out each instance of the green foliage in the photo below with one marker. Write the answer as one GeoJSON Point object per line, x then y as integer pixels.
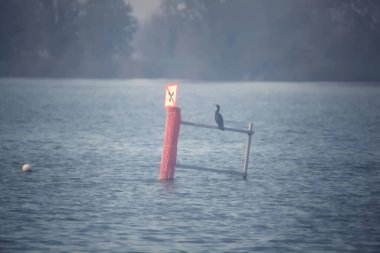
{"type": "Point", "coordinates": [264, 39]}
{"type": "Point", "coordinates": [197, 39]}
{"type": "Point", "coordinates": [64, 37]}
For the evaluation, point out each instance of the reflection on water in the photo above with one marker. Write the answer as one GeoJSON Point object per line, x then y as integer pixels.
{"type": "Point", "coordinates": [95, 147]}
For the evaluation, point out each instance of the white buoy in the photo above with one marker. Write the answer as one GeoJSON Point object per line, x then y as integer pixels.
{"type": "Point", "coordinates": [26, 167]}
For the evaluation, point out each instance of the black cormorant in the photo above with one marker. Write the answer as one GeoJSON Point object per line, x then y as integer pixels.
{"type": "Point", "coordinates": [219, 118]}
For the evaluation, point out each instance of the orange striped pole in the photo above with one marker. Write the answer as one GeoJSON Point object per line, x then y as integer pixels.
{"type": "Point", "coordinates": [169, 152]}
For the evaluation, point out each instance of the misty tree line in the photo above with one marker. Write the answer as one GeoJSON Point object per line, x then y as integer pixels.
{"type": "Point", "coordinates": [197, 39]}
{"type": "Point", "coordinates": [65, 38]}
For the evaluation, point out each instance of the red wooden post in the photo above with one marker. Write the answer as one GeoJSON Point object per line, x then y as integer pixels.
{"type": "Point", "coordinates": [169, 153]}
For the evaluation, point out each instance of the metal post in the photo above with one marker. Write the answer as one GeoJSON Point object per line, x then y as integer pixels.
{"type": "Point", "coordinates": [250, 127]}
{"type": "Point", "coordinates": [244, 131]}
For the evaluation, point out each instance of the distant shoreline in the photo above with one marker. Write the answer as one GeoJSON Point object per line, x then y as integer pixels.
{"type": "Point", "coordinates": [184, 81]}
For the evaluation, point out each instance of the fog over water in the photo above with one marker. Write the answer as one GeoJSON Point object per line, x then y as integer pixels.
{"type": "Point", "coordinates": [230, 40]}
{"type": "Point", "coordinates": [82, 124]}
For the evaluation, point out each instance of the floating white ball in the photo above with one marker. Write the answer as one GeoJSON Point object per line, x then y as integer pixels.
{"type": "Point", "coordinates": [26, 167]}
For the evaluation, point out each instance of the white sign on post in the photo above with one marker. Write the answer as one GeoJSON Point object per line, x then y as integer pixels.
{"type": "Point", "coordinates": [171, 95]}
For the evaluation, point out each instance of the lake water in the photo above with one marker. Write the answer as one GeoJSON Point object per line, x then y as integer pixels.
{"type": "Point", "coordinates": [95, 147]}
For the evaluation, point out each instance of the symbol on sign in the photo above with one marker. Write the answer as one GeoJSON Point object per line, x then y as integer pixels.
{"type": "Point", "coordinates": [171, 99]}
{"type": "Point", "coordinates": [171, 94]}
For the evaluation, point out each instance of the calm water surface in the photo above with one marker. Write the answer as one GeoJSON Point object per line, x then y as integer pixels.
{"type": "Point", "coordinates": [95, 148]}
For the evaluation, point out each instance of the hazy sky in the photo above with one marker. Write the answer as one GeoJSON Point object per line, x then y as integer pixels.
{"type": "Point", "coordinates": [144, 8]}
